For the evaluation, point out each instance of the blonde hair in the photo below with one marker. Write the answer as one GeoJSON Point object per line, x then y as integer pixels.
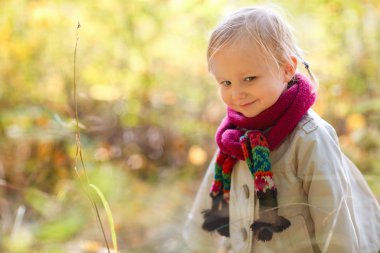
{"type": "Point", "coordinates": [266, 28]}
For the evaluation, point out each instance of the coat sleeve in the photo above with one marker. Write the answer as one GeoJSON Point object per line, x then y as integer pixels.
{"type": "Point", "coordinates": [326, 183]}
{"type": "Point", "coordinates": [195, 237]}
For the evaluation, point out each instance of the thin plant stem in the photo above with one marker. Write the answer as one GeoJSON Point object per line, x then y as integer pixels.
{"type": "Point", "coordinates": [79, 149]}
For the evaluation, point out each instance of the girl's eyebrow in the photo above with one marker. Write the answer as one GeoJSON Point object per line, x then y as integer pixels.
{"type": "Point", "coordinates": [249, 73]}
{"type": "Point", "coordinates": [219, 78]}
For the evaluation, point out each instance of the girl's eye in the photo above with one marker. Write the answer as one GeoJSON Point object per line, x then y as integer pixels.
{"type": "Point", "coordinates": [250, 78]}
{"type": "Point", "coordinates": [226, 83]}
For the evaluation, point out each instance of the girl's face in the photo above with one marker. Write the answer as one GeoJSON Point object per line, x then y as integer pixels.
{"type": "Point", "coordinates": [248, 83]}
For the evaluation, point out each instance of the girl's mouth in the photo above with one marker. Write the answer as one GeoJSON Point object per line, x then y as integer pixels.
{"type": "Point", "coordinates": [247, 104]}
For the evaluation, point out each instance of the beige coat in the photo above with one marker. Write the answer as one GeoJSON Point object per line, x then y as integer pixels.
{"type": "Point", "coordinates": [321, 192]}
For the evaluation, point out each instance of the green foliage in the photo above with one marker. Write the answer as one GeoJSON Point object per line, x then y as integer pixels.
{"type": "Point", "coordinates": [148, 111]}
{"type": "Point", "coordinates": [62, 229]}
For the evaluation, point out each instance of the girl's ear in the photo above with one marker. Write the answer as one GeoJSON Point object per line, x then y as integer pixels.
{"type": "Point", "coordinates": [290, 69]}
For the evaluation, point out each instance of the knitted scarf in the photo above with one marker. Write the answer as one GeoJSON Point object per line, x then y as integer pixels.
{"type": "Point", "coordinates": [251, 140]}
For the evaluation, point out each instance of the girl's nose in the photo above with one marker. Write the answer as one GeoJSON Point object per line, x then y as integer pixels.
{"type": "Point", "coordinates": [238, 92]}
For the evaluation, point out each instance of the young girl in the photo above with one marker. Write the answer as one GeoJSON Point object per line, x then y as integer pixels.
{"type": "Point", "coordinates": [279, 181]}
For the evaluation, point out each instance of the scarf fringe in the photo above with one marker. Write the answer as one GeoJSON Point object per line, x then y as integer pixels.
{"type": "Point", "coordinates": [263, 231]}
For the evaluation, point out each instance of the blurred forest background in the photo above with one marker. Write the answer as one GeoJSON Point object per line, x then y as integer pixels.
{"type": "Point", "coordinates": [148, 111]}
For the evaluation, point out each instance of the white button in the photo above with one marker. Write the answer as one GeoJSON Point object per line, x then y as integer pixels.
{"type": "Point", "coordinates": [246, 191]}
{"type": "Point", "coordinates": [244, 234]}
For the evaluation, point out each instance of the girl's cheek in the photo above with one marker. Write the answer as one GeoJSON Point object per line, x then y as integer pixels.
{"type": "Point", "coordinates": [224, 96]}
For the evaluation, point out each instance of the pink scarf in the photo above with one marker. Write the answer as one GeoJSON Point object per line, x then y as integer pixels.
{"type": "Point", "coordinates": [281, 118]}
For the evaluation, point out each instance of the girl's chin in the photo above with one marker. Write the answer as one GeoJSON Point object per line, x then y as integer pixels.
{"type": "Point", "coordinates": [249, 114]}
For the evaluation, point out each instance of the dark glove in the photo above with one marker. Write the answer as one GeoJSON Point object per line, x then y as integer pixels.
{"type": "Point", "coordinates": [217, 218]}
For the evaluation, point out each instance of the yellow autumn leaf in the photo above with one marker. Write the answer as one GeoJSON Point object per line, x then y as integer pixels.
{"type": "Point", "coordinates": [197, 155]}
{"type": "Point", "coordinates": [355, 121]}
{"type": "Point", "coordinates": [105, 92]}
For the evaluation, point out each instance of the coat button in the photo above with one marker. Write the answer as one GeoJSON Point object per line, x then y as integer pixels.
{"type": "Point", "coordinates": [244, 234]}
{"type": "Point", "coordinates": [246, 191]}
